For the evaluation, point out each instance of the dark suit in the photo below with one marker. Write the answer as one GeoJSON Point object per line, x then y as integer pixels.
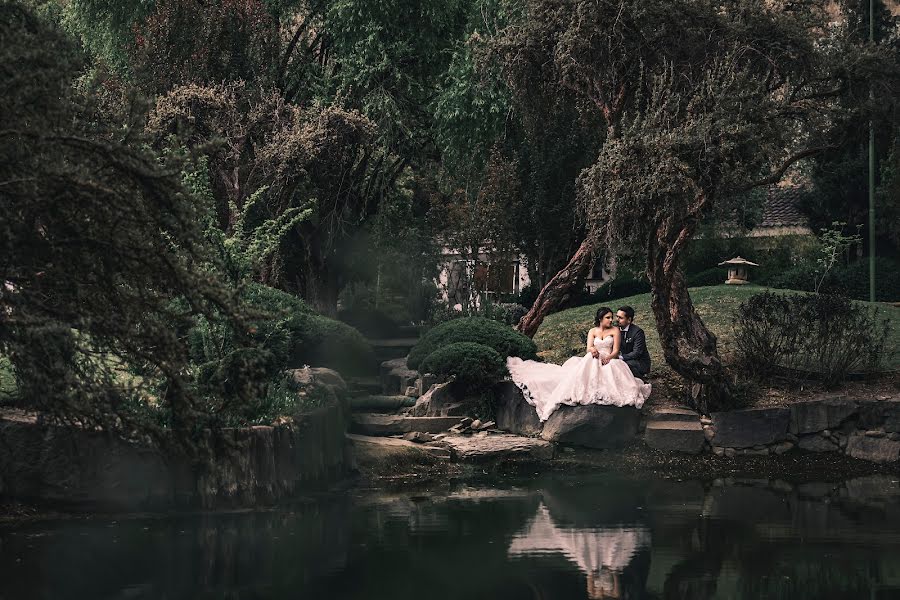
{"type": "Point", "coordinates": [634, 350]}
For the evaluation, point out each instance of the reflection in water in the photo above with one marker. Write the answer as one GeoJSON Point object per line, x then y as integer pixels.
{"type": "Point", "coordinates": [549, 539]}
{"type": "Point", "coordinates": [601, 553]}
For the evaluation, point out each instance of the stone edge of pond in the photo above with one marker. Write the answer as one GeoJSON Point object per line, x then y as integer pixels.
{"type": "Point", "coordinates": [56, 467]}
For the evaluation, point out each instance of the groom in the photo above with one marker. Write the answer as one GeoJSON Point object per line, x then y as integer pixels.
{"type": "Point", "coordinates": [634, 344]}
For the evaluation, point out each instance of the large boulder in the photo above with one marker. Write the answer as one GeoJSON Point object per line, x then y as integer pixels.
{"type": "Point", "coordinates": [319, 376]}
{"type": "Point", "coordinates": [440, 401]}
{"type": "Point", "coordinates": [592, 426]}
{"type": "Point", "coordinates": [879, 450]}
{"type": "Point", "coordinates": [512, 413]}
{"type": "Point", "coordinates": [816, 443]}
{"type": "Point", "coordinates": [491, 447]}
{"type": "Point", "coordinates": [750, 427]}
{"type": "Point", "coordinates": [396, 376]}
{"type": "Point", "coordinates": [374, 424]}
{"type": "Point", "coordinates": [891, 409]}
{"type": "Point", "coordinates": [811, 417]}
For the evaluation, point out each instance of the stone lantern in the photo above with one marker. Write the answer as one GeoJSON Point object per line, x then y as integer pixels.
{"type": "Point", "coordinates": [737, 270]}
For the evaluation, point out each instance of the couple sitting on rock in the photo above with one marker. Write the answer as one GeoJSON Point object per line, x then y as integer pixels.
{"type": "Point", "coordinates": [608, 373]}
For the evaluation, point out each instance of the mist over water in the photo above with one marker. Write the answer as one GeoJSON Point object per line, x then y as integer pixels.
{"type": "Point", "coordinates": [600, 536]}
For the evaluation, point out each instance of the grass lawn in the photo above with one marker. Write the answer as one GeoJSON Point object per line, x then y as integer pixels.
{"type": "Point", "coordinates": [560, 335]}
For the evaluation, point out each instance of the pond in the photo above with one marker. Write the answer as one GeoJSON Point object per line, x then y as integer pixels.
{"type": "Point", "coordinates": [566, 537]}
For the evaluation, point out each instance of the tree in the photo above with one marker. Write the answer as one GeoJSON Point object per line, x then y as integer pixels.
{"type": "Point", "coordinates": [701, 100]}
{"type": "Point", "coordinates": [840, 177]}
{"type": "Point", "coordinates": [284, 160]}
{"type": "Point", "coordinates": [532, 123]}
{"type": "Point", "coordinates": [104, 265]}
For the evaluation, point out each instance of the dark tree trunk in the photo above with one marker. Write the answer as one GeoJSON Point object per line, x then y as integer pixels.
{"type": "Point", "coordinates": [559, 289]}
{"type": "Point", "coordinates": [688, 346]}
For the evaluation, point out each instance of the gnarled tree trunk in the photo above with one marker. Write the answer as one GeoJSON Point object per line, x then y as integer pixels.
{"type": "Point", "coordinates": [559, 289]}
{"type": "Point", "coordinates": [688, 346]}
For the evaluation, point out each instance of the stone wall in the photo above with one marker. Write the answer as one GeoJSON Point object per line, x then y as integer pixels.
{"type": "Point", "coordinates": [868, 430]}
{"type": "Point", "coordinates": [61, 466]}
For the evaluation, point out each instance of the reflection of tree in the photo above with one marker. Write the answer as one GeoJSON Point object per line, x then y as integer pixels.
{"type": "Point", "coordinates": [603, 554]}
{"type": "Point", "coordinates": [696, 576]}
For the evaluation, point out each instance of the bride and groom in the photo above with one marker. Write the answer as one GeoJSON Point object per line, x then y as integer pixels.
{"type": "Point", "coordinates": [609, 372]}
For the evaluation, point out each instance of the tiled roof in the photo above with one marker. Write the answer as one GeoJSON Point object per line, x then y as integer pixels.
{"type": "Point", "coordinates": [782, 207]}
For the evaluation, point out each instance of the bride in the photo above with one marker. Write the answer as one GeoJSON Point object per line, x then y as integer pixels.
{"type": "Point", "coordinates": [595, 378]}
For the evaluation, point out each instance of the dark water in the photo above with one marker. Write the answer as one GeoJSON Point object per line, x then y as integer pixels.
{"type": "Point", "coordinates": [558, 538]}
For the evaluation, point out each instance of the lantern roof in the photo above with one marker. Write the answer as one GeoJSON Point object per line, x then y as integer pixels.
{"type": "Point", "coordinates": [737, 260]}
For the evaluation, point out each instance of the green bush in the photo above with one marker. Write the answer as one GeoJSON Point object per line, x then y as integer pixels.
{"type": "Point", "coordinates": [620, 287]}
{"type": "Point", "coordinates": [850, 280]}
{"type": "Point", "coordinates": [285, 327]}
{"type": "Point", "coordinates": [817, 336]}
{"type": "Point", "coordinates": [501, 338]}
{"type": "Point", "coordinates": [713, 276]}
{"type": "Point", "coordinates": [853, 280]}
{"type": "Point", "coordinates": [472, 365]}
{"type": "Point", "coordinates": [329, 343]}
{"type": "Point", "coordinates": [508, 313]}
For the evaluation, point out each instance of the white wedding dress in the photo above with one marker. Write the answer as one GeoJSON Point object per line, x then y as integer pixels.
{"type": "Point", "coordinates": [579, 380]}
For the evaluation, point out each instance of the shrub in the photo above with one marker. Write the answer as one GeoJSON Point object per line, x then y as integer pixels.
{"type": "Point", "coordinates": [501, 338]}
{"type": "Point", "coordinates": [528, 295]}
{"type": "Point", "coordinates": [508, 313]}
{"type": "Point", "coordinates": [472, 365]}
{"type": "Point", "coordinates": [285, 327]}
{"type": "Point", "coordinates": [713, 276]}
{"type": "Point", "coordinates": [850, 280]}
{"type": "Point", "coordinates": [817, 335]}
{"type": "Point", "coordinates": [620, 287]}
{"type": "Point", "coordinates": [853, 280]}
{"type": "Point", "coordinates": [329, 343]}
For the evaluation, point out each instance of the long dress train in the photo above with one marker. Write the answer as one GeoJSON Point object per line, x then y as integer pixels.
{"type": "Point", "coordinates": [580, 380]}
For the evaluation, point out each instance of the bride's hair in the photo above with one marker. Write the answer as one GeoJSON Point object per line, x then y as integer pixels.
{"type": "Point", "coordinates": [601, 312]}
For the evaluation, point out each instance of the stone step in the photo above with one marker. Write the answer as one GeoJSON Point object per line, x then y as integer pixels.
{"type": "Point", "coordinates": [484, 446]}
{"type": "Point", "coordinates": [363, 386]}
{"type": "Point", "coordinates": [380, 404]}
{"type": "Point", "coordinates": [674, 414]}
{"type": "Point", "coordinates": [675, 436]}
{"type": "Point", "coordinates": [365, 443]}
{"type": "Point", "coordinates": [391, 348]}
{"type": "Point", "coordinates": [382, 425]}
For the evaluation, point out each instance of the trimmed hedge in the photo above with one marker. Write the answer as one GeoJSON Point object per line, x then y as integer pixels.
{"type": "Point", "coordinates": [473, 365]}
{"type": "Point", "coordinates": [501, 338]}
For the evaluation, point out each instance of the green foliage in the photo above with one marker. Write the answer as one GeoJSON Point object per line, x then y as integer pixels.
{"type": "Point", "coordinates": [713, 276]}
{"type": "Point", "coordinates": [810, 335]}
{"type": "Point", "coordinates": [508, 313]}
{"type": "Point", "coordinates": [620, 287]}
{"type": "Point", "coordinates": [472, 365]}
{"type": "Point", "coordinates": [289, 186]}
{"type": "Point", "coordinates": [287, 335]}
{"type": "Point", "coordinates": [103, 259]}
{"type": "Point", "coordinates": [330, 343]}
{"type": "Point", "coordinates": [106, 29]}
{"type": "Point", "coordinates": [502, 338]}
{"type": "Point", "coordinates": [851, 280]}
{"type": "Point", "coordinates": [834, 244]}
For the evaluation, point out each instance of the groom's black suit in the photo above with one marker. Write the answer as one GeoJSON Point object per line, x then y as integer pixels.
{"type": "Point", "coordinates": [634, 350]}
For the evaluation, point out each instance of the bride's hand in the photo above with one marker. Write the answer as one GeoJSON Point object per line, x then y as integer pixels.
{"type": "Point", "coordinates": [604, 360]}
